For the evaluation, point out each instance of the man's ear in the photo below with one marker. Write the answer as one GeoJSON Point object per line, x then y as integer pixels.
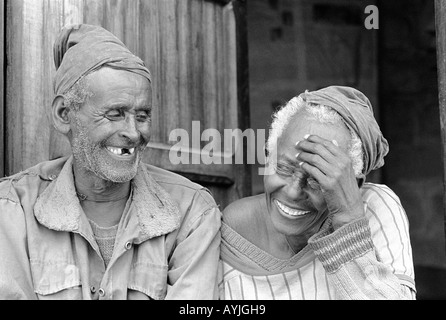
{"type": "Point", "coordinates": [60, 116]}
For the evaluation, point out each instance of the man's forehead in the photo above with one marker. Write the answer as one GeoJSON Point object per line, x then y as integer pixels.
{"type": "Point", "coordinates": [118, 89]}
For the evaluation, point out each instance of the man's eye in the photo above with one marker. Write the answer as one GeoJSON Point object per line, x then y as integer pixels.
{"type": "Point", "coordinates": [115, 115]}
{"type": "Point", "coordinates": [143, 116]}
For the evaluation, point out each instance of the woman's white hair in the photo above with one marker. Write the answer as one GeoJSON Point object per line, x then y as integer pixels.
{"type": "Point", "coordinates": [321, 113]}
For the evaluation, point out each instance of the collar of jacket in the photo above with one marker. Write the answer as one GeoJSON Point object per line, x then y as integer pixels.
{"type": "Point", "coordinates": [58, 207]}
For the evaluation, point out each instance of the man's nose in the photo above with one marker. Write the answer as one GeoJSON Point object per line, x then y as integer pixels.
{"type": "Point", "coordinates": [130, 130]}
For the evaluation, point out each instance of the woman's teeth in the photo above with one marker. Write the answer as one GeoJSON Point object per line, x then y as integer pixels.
{"type": "Point", "coordinates": [121, 151]}
{"type": "Point", "coordinates": [289, 211]}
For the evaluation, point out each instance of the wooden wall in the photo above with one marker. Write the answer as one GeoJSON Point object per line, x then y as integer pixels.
{"type": "Point", "coordinates": [2, 92]}
{"type": "Point", "coordinates": [190, 46]}
{"type": "Point", "coordinates": [440, 26]}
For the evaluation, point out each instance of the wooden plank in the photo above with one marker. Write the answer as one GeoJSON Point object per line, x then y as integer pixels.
{"type": "Point", "coordinates": [27, 127]}
{"type": "Point", "coordinates": [182, 17]}
{"type": "Point", "coordinates": [72, 12]}
{"type": "Point", "coordinates": [94, 12]}
{"type": "Point", "coordinates": [131, 31]}
{"type": "Point", "coordinates": [169, 68]}
{"type": "Point", "coordinates": [114, 20]}
{"type": "Point", "coordinates": [440, 26]}
{"type": "Point", "coordinates": [210, 64]}
{"type": "Point", "coordinates": [2, 87]}
{"type": "Point", "coordinates": [222, 71]}
{"type": "Point", "coordinates": [121, 17]}
{"type": "Point", "coordinates": [195, 60]}
{"type": "Point", "coordinates": [242, 91]}
{"type": "Point", "coordinates": [150, 52]}
{"type": "Point", "coordinates": [232, 67]}
{"type": "Point", "coordinates": [13, 127]}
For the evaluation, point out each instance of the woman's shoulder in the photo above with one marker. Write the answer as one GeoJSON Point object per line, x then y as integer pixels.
{"type": "Point", "coordinates": [382, 205]}
{"type": "Point", "coordinates": [244, 214]}
{"type": "Point", "coordinates": [379, 193]}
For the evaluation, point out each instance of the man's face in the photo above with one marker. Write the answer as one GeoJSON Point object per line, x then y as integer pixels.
{"type": "Point", "coordinates": [111, 130]}
{"type": "Point", "coordinates": [295, 202]}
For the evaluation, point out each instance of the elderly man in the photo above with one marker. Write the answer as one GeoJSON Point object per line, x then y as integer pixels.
{"type": "Point", "coordinates": [101, 224]}
{"type": "Point", "coordinates": [319, 231]}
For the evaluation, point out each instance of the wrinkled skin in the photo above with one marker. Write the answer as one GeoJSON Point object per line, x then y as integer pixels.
{"type": "Point", "coordinates": [314, 178]}
{"type": "Point", "coordinates": [117, 115]}
{"type": "Point", "coordinates": [108, 135]}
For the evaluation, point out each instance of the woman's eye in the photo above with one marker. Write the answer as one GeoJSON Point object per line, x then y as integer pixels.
{"type": "Point", "coordinates": [284, 170]}
{"type": "Point", "coordinates": [313, 184]}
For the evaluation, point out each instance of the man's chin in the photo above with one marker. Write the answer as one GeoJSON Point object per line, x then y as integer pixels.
{"type": "Point", "coordinates": [119, 176]}
{"type": "Point", "coordinates": [120, 172]}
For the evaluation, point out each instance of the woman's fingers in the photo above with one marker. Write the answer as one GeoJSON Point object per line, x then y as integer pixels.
{"type": "Point", "coordinates": [316, 144]}
{"type": "Point", "coordinates": [322, 154]}
{"type": "Point", "coordinates": [314, 160]}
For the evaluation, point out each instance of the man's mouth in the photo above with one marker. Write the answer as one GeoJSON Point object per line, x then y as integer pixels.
{"type": "Point", "coordinates": [290, 211]}
{"type": "Point", "coordinates": [121, 151]}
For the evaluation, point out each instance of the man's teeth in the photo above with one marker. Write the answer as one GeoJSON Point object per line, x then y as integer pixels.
{"type": "Point", "coordinates": [121, 151]}
{"type": "Point", "coordinates": [289, 211]}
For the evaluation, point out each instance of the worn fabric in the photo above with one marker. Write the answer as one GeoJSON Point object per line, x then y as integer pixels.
{"type": "Point", "coordinates": [370, 258]}
{"type": "Point", "coordinates": [82, 48]}
{"type": "Point", "coordinates": [105, 238]}
{"type": "Point", "coordinates": [357, 113]}
{"type": "Point", "coordinates": [166, 246]}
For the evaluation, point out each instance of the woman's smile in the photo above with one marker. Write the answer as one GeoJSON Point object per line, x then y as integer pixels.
{"type": "Point", "coordinates": [290, 212]}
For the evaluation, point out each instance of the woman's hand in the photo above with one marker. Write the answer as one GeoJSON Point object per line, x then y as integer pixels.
{"type": "Point", "coordinates": [332, 168]}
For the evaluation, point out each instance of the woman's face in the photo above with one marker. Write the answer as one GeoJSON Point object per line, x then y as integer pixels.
{"type": "Point", "coordinates": [294, 199]}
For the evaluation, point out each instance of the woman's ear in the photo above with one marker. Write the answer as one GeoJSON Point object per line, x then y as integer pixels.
{"type": "Point", "coordinates": [60, 116]}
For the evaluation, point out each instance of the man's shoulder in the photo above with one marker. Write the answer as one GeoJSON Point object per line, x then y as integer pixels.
{"type": "Point", "coordinates": [179, 187]}
{"type": "Point", "coordinates": [30, 179]}
{"type": "Point", "coordinates": [166, 177]}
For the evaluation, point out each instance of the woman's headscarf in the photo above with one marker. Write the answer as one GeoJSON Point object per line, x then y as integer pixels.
{"type": "Point", "coordinates": [357, 112]}
{"type": "Point", "coordinates": [80, 49]}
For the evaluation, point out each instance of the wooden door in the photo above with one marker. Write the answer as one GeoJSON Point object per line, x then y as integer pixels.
{"type": "Point", "coordinates": [195, 49]}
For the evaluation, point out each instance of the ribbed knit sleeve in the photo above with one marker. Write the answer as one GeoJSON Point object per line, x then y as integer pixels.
{"type": "Point", "coordinates": [347, 243]}
{"type": "Point", "coordinates": [352, 265]}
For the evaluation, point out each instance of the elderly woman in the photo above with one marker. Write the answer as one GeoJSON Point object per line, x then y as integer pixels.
{"type": "Point", "coordinates": [319, 231]}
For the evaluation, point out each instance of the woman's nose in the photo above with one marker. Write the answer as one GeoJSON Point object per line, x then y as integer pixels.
{"type": "Point", "coordinates": [293, 190]}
